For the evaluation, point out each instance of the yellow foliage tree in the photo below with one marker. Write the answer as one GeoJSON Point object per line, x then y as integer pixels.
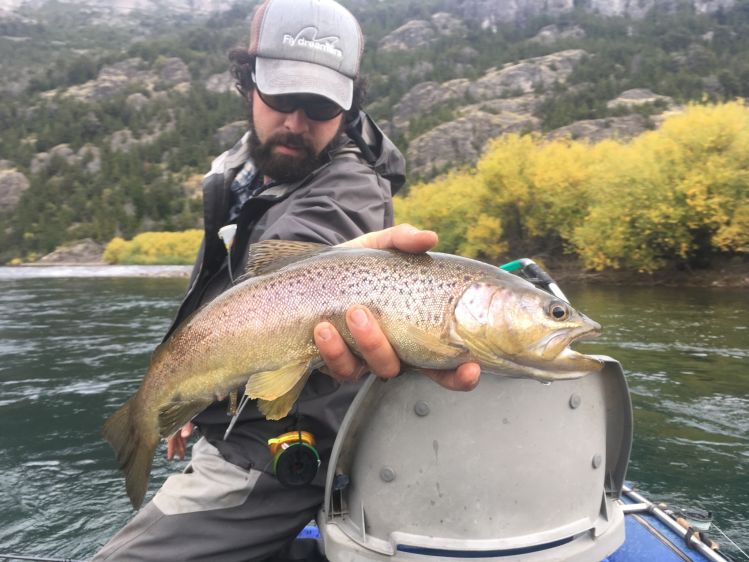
{"type": "Point", "coordinates": [455, 207]}
{"type": "Point", "coordinates": [676, 193]}
{"type": "Point", "coordinates": [155, 248]}
{"type": "Point", "coordinates": [673, 193]}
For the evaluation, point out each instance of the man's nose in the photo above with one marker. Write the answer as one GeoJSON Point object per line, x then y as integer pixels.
{"type": "Point", "coordinates": [296, 121]}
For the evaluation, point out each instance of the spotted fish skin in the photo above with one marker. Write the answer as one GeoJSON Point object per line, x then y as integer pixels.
{"type": "Point", "coordinates": [437, 310]}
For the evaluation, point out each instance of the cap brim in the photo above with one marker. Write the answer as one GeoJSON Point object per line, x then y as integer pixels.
{"type": "Point", "coordinates": [279, 76]}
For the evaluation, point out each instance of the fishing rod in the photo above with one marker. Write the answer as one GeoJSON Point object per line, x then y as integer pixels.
{"type": "Point", "coordinates": [691, 538]}
{"type": "Point", "coordinates": [532, 272]}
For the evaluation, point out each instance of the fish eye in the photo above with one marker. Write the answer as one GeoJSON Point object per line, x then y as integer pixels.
{"type": "Point", "coordinates": [558, 311]}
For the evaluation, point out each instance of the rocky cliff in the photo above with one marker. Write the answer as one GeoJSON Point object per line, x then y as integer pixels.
{"type": "Point", "coordinates": [502, 100]}
{"type": "Point", "coordinates": [490, 13]}
{"type": "Point", "coordinates": [195, 7]}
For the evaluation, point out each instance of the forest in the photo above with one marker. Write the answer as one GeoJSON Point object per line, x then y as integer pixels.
{"type": "Point", "coordinates": [676, 194]}
{"type": "Point", "coordinates": [536, 196]}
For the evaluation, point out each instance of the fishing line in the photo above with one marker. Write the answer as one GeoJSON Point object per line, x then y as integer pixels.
{"type": "Point", "coordinates": [737, 547]}
{"type": "Point", "coordinates": [235, 417]}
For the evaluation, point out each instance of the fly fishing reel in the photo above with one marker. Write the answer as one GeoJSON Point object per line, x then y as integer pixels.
{"type": "Point", "coordinates": [295, 458]}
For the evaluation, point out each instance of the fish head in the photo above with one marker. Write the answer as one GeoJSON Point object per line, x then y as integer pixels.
{"type": "Point", "coordinates": [521, 329]}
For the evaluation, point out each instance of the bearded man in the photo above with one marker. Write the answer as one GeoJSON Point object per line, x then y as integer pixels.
{"type": "Point", "coordinates": [312, 167]}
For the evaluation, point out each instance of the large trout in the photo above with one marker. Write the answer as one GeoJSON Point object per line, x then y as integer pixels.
{"type": "Point", "coordinates": [437, 310]}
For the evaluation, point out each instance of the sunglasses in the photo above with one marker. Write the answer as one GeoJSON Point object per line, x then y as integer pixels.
{"type": "Point", "coordinates": [316, 108]}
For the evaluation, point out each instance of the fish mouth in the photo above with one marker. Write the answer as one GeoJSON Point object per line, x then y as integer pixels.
{"type": "Point", "coordinates": [557, 343]}
{"type": "Point", "coordinates": [568, 364]}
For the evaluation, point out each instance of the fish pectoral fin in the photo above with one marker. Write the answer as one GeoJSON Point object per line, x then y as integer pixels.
{"type": "Point", "coordinates": [478, 345]}
{"type": "Point", "coordinates": [280, 407]}
{"type": "Point", "coordinates": [434, 343]}
{"type": "Point", "coordinates": [177, 413]}
{"type": "Point", "coordinates": [269, 385]}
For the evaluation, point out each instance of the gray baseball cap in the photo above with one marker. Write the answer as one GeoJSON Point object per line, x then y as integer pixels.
{"type": "Point", "coordinates": [306, 46]}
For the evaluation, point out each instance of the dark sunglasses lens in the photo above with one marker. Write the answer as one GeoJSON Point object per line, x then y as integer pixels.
{"type": "Point", "coordinates": [321, 110]}
{"type": "Point", "coordinates": [284, 104]}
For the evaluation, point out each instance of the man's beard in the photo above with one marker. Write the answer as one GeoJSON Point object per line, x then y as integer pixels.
{"type": "Point", "coordinates": [285, 167]}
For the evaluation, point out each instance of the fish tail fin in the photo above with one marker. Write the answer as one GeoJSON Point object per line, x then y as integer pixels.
{"type": "Point", "coordinates": [134, 448]}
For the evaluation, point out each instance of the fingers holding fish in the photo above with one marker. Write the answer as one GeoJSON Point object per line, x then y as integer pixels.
{"type": "Point", "coordinates": [372, 343]}
{"type": "Point", "coordinates": [403, 237]}
{"type": "Point", "coordinates": [464, 378]}
{"type": "Point", "coordinates": [340, 363]}
{"type": "Point", "coordinates": [378, 355]}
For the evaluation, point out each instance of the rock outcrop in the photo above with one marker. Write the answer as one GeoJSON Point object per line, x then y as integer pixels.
{"type": "Point", "coordinates": [637, 97]}
{"type": "Point", "coordinates": [638, 9]}
{"type": "Point", "coordinates": [415, 34]}
{"type": "Point", "coordinates": [112, 80]}
{"type": "Point", "coordinates": [419, 34]}
{"type": "Point", "coordinates": [123, 140]}
{"type": "Point", "coordinates": [490, 13]}
{"type": "Point", "coordinates": [461, 141]}
{"type": "Point", "coordinates": [422, 98]}
{"type": "Point", "coordinates": [550, 34]}
{"type": "Point", "coordinates": [82, 252]}
{"type": "Point", "coordinates": [512, 80]}
{"type": "Point", "coordinates": [448, 25]}
{"type": "Point", "coordinates": [136, 101]}
{"type": "Point", "coordinates": [126, 7]}
{"type": "Point", "coordinates": [116, 79]}
{"type": "Point", "coordinates": [527, 75]}
{"type": "Point", "coordinates": [595, 130]}
{"type": "Point", "coordinates": [172, 71]}
{"type": "Point", "coordinates": [12, 186]}
{"type": "Point", "coordinates": [88, 156]}
{"type": "Point", "coordinates": [220, 83]}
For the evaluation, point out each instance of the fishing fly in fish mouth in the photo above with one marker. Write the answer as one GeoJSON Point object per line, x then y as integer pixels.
{"type": "Point", "coordinates": [437, 310]}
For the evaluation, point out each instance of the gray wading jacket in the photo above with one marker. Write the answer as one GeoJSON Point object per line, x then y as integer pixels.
{"type": "Point", "coordinates": [345, 197]}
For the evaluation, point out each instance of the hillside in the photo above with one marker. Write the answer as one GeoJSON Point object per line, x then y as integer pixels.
{"type": "Point", "coordinates": [110, 116]}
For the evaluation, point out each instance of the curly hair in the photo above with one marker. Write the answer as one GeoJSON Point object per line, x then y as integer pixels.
{"type": "Point", "coordinates": [243, 64]}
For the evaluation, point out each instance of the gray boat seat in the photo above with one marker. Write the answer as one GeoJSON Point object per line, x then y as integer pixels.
{"type": "Point", "coordinates": [513, 470]}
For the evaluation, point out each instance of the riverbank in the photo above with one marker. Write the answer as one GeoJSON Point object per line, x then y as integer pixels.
{"type": "Point", "coordinates": [724, 272]}
{"type": "Point", "coordinates": [91, 270]}
{"type": "Point", "coordinates": [728, 273]}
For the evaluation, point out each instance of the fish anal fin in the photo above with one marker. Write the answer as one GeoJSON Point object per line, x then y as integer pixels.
{"type": "Point", "coordinates": [281, 406]}
{"type": "Point", "coordinates": [177, 413]}
{"type": "Point", "coordinates": [271, 255]}
{"type": "Point", "coordinates": [269, 385]}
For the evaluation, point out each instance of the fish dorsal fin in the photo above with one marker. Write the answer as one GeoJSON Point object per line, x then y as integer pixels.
{"type": "Point", "coordinates": [271, 255]}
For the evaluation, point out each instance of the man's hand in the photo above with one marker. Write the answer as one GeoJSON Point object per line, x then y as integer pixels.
{"type": "Point", "coordinates": [176, 445]}
{"type": "Point", "coordinates": [379, 356]}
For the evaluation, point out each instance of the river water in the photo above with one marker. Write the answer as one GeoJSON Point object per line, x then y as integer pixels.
{"type": "Point", "coordinates": [74, 346]}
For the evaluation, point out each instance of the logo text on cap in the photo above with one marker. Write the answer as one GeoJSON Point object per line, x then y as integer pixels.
{"type": "Point", "coordinates": [307, 38]}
